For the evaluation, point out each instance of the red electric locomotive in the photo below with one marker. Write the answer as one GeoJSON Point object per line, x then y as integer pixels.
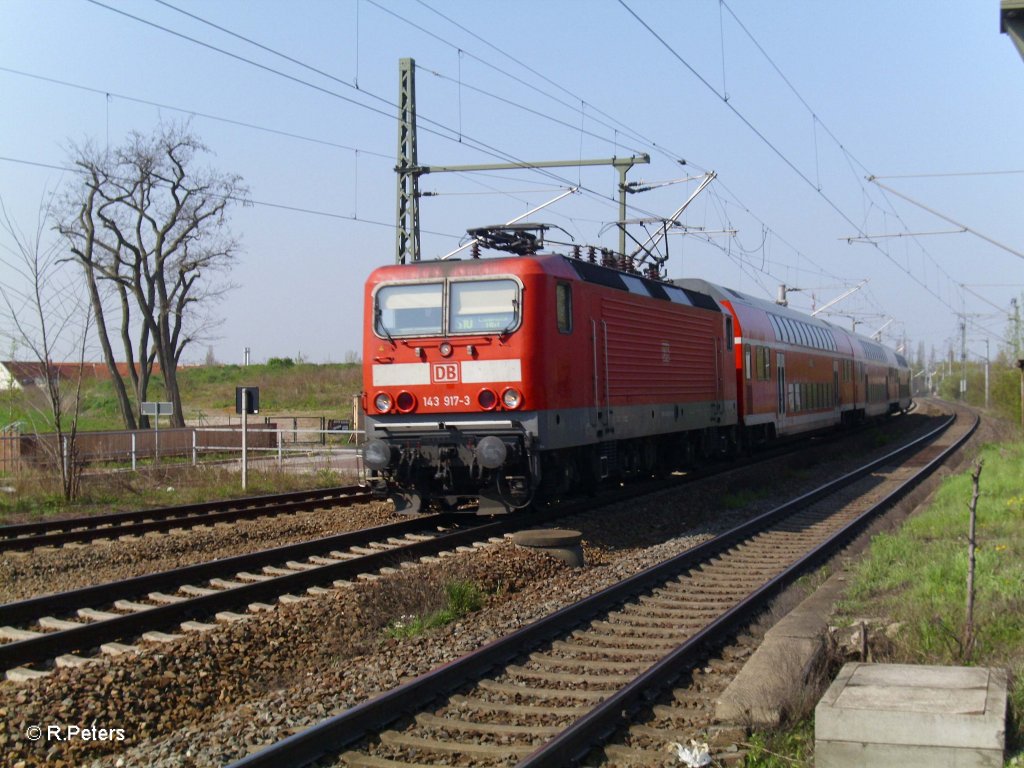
{"type": "Point", "coordinates": [509, 379]}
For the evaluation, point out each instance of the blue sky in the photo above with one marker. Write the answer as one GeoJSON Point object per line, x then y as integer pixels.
{"type": "Point", "coordinates": [820, 95]}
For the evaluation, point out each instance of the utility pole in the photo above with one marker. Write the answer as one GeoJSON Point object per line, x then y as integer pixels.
{"type": "Point", "coordinates": [407, 231]}
{"type": "Point", "coordinates": [1020, 364]}
{"type": "Point", "coordinates": [963, 357]}
{"type": "Point", "coordinates": [409, 171]}
{"type": "Point", "coordinates": [1016, 327]}
{"type": "Point", "coordinates": [986, 373]}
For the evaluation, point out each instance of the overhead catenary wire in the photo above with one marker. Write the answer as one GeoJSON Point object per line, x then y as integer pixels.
{"type": "Point", "coordinates": [439, 128]}
{"type": "Point", "coordinates": [944, 217]}
{"type": "Point", "coordinates": [195, 112]}
{"type": "Point", "coordinates": [832, 204]}
{"type": "Point", "coordinates": [846, 153]}
{"type": "Point", "coordinates": [247, 201]}
{"type": "Point", "coordinates": [800, 255]}
{"type": "Point", "coordinates": [587, 191]}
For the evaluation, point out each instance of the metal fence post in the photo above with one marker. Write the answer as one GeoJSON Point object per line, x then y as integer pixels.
{"type": "Point", "coordinates": [133, 452]}
{"type": "Point", "coordinates": [195, 450]}
{"type": "Point", "coordinates": [280, 442]}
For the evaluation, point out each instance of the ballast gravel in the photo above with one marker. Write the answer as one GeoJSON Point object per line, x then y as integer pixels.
{"type": "Point", "coordinates": [212, 697]}
{"type": "Point", "coordinates": [45, 570]}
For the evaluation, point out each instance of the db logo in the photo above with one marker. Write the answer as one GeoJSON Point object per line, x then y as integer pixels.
{"type": "Point", "coordinates": [442, 373]}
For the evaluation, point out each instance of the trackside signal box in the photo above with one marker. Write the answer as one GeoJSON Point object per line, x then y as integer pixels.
{"type": "Point", "coordinates": [252, 399]}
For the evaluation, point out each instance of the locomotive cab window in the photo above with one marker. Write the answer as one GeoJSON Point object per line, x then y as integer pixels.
{"type": "Point", "coordinates": [409, 310]}
{"type": "Point", "coordinates": [483, 306]}
{"type": "Point", "coordinates": [563, 307]}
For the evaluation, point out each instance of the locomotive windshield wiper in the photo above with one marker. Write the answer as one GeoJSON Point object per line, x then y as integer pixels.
{"type": "Point", "coordinates": [512, 322]}
{"type": "Point", "coordinates": [383, 327]}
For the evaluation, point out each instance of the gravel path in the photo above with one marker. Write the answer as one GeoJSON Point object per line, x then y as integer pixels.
{"type": "Point", "coordinates": [210, 698]}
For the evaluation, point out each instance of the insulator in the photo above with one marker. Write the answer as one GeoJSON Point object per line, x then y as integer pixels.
{"type": "Point", "coordinates": [591, 254]}
{"type": "Point", "coordinates": [476, 249]}
{"type": "Point", "coordinates": [576, 252]}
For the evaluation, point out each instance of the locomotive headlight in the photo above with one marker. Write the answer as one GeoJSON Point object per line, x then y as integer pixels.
{"type": "Point", "coordinates": [445, 349]}
{"type": "Point", "coordinates": [377, 454]}
{"type": "Point", "coordinates": [382, 402]}
{"type": "Point", "coordinates": [491, 452]}
{"type": "Point", "coordinates": [511, 398]}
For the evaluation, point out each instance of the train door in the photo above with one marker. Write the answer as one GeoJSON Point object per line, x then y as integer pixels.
{"type": "Point", "coordinates": [602, 414]}
{"type": "Point", "coordinates": [780, 367]}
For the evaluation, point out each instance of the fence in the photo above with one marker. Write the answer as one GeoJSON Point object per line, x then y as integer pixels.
{"type": "Point", "coordinates": [130, 448]}
{"type": "Point", "coordinates": [10, 451]}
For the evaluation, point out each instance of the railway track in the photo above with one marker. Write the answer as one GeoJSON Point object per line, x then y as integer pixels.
{"type": "Point", "coordinates": [54, 533]}
{"type": "Point", "coordinates": [549, 693]}
{"type": "Point", "coordinates": [61, 626]}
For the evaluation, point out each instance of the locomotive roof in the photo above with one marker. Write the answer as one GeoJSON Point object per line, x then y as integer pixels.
{"type": "Point", "coordinates": [560, 265]}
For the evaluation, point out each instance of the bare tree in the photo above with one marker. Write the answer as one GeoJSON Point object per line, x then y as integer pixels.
{"type": "Point", "coordinates": [969, 635]}
{"type": "Point", "coordinates": [150, 231]}
{"type": "Point", "coordinates": [46, 316]}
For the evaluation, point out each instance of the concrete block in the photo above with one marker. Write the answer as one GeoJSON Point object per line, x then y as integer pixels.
{"type": "Point", "coordinates": [71, 661]}
{"type": "Point", "coordinates": [784, 663]}
{"type": "Point", "coordinates": [160, 597]}
{"type": "Point", "coordinates": [24, 674]}
{"type": "Point", "coordinates": [134, 607]}
{"type": "Point", "coordinates": [908, 715]}
{"type": "Point", "coordinates": [14, 634]}
{"type": "Point", "coordinates": [160, 637]}
{"type": "Point", "coordinates": [118, 649]}
{"type": "Point", "coordinates": [93, 615]}
{"type": "Point", "coordinates": [51, 622]}
{"type": "Point", "coordinates": [228, 617]}
{"type": "Point", "coordinates": [197, 626]}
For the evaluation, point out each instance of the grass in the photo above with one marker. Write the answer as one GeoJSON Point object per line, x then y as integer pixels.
{"type": "Point", "coordinates": [782, 749]}
{"type": "Point", "coordinates": [35, 496]}
{"type": "Point", "coordinates": [917, 577]}
{"type": "Point", "coordinates": [286, 388]}
{"type": "Point", "coordinates": [744, 497]}
{"type": "Point", "coordinates": [461, 598]}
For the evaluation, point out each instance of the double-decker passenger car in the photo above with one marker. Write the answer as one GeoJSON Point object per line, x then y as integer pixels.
{"type": "Point", "coordinates": [796, 373]}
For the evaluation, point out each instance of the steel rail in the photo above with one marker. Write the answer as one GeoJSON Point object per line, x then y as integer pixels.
{"type": "Point", "coordinates": [24, 536]}
{"type": "Point", "coordinates": [51, 644]}
{"type": "Point", "coordinates": [573, 743]}
{"type": "Point", "coordinates": [334, 733]}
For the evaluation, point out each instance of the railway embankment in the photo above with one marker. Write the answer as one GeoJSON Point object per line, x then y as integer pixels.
{"type": "Point", "coordinates": [897, 595]}
{"type": "Point", "coordinates": [211, 696]}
